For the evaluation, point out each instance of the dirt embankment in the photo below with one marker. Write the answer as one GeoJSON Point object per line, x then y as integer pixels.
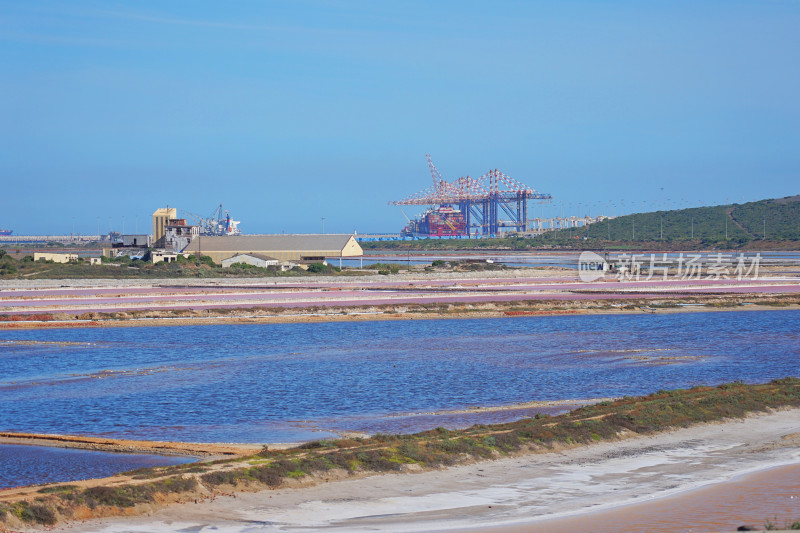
{"type": "Point", "coordinates": [130, 446]}
{"type": "Point", "coordinates": [663, 303]}
{"type": "Point", "coordinates": [322, 461]}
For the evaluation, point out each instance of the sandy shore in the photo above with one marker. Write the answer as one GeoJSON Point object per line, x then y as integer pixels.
{"type": "Point", "coordinates": [520, 492]}
{"type": "Point", "coordinates": [130, 446]}
{"type": "Point", "coordinates": [753, 500]}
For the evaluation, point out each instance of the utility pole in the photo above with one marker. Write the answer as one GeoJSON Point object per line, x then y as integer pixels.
{"type": "Point", "coordinates": [633, 229]}
{"type": "Point", "coordinates": [323, 225]}
{"type": "Point", "coordinates": [570, 222]}
{"type": "Point", "coordinates": [614, 210]}
{"type": "Point", "coordinates": [727, 203]}
{"type": "Point", "coordinates": [692, 228]}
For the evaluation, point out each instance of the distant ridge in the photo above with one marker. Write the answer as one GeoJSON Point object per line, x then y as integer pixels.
{"type": "Point", "coordinates": [772, 224]}
{"type": "Point", "coordinates": [775, 219]}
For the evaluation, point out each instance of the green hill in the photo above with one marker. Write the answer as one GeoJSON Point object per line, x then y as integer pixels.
{"type": "Point", "coordinates": [771, 220]}
{"type": "Point", "coordinates": [765, 224]}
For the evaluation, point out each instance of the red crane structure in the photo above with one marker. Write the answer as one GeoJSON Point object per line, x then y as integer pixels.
{"type": "Point", "coordinates": [482, 200]}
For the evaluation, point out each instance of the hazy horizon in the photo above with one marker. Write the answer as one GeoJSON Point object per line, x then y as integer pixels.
{"type": "Point", "coordinates": [287, 113]}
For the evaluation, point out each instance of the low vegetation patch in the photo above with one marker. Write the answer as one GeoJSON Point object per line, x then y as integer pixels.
{"type": "Point", "coordinates": [772, 526]}
{"type": "Point", "coordinates": [428, 449]}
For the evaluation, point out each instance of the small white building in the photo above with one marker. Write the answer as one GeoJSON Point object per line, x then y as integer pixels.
{"type": "Point", "coordinates": [258, 260]}
{"type": "Point", "coordinates": [55, 257]}
{"type": "Point", "coordinates": [164, 256]}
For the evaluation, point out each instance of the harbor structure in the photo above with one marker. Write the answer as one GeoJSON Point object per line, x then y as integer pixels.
{"type": "Point", "coordinates": [218, 223]}
{"type": "Point", "coordinates": [442, 221]}
{"type": "Point", "coordinates": [491, 204]}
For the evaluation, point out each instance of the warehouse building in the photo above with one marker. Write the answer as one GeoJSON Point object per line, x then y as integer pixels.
{"type": "Point", "coordinates": [133, 241]}
{"type": "Point", "coordinates": [284, 248]}
{"type": "Point", "coordinates": [258, 260]}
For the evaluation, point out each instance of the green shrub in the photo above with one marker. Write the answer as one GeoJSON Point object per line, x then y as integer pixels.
{"type": "Point", "coordinates": [375, 461]}
{"type": "Point", "coordinates": [316, 444]}
{"type": "Point", "coordinates": [273, 473]}
{"type": "Point", "coordinates": [507, 441]}
{"type": "Point", "coordinates": [316, 268]}
{"type": "Point", "coordinates": [222, 477]}
{"type": "Point", "coordinates": [58, 489]}
{"type": "Point", "coordinates": [124, 496]}
{"type": "Point", "coordinates": [36, 513]}
{"type": "Point", "coordinates": [341, 460]}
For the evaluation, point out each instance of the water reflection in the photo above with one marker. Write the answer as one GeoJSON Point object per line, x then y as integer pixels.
{"type": "Point", "coordinates": [26, 465]}
{"type": "Point", "coordinates": [290, 382]}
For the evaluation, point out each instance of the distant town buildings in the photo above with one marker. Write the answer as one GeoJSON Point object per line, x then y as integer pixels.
{"type": "Point", "coordinates": [173, 237]}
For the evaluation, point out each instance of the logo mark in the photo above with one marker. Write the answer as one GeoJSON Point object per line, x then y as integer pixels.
{"type": "Point", "coordinates": [591, 267]}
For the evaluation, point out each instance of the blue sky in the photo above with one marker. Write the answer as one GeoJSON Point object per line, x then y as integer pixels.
{"type": "Point", "coordinates": [286, 112]}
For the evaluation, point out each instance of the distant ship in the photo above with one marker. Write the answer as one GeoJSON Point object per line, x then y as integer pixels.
{"type": "Point", "coordinates": [6, 231]}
